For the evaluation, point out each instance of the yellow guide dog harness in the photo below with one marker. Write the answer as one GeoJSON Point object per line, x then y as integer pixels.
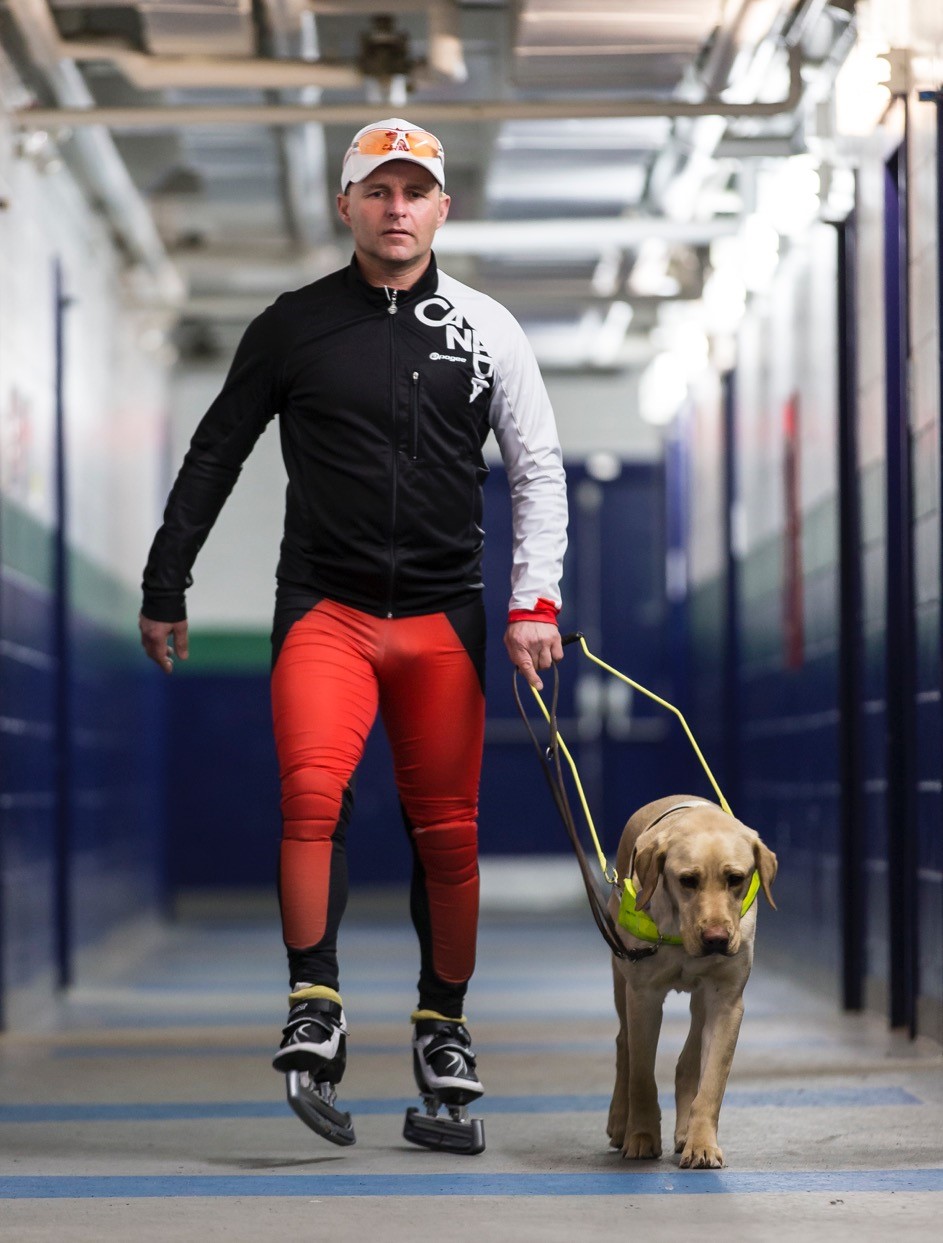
{"type": "Point", "coordinates": [637, 923]}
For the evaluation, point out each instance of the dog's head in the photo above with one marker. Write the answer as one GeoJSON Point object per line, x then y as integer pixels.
{"type": "Point", "coordinates": [705, 860]}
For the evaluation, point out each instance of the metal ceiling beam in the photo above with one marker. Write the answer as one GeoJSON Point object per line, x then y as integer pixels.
{"type": "Point", "coordinates": [431, 111]}
{"type": "Point", "coordinates": [190, 68]}
{"type": "Point", "coordinates": [154, 73]}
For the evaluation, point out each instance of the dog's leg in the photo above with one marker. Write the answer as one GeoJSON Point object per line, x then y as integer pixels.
{"type": "Point", "coordinates": [619, 1107]}
{"type": "Point", "coordinates": [643, 1127]}
{"type": "Point", "coordinates": [688, 1071]}
{"type": "Point", "coordinates": [721, 1029]}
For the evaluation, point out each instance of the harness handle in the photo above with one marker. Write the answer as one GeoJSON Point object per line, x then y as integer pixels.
{"type": "Point", "coordinates": [553, 772]}
{"type": "Point", "coordinates": [578, 637]}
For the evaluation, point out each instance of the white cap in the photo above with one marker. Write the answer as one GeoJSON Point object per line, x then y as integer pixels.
{"type": "Point", "coordinates": [395, 139]}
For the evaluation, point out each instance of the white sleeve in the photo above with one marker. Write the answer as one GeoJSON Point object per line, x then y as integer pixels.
{"type": "Point", "coordinates": [522, 420]}
{"type": "Point", "coordinates": [523, 424]}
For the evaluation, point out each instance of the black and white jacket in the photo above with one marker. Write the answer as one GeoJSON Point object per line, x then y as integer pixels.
{"type": "Point", "coordinates": [385, 399]}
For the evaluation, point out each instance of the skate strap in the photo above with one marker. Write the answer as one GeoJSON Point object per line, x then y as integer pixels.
{"type": "Point", "coordinates": [418, 1016]}
{"type": "Point", "coordinates": [314, 992]}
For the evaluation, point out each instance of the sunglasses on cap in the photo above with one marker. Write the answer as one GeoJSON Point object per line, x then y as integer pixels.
{"type": "Point", "coordinates": [418, 142]}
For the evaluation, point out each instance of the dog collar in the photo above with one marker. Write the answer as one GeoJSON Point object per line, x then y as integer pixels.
{"type": "Point", "coordinates": [641, 925]}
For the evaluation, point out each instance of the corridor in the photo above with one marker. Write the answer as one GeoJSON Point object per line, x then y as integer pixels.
{"type": "Point", "coordinates": [147, 1110]}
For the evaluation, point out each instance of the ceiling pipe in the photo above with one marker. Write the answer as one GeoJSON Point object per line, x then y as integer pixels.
{"type": "Point", "coordinates": [155, 73]}
{"type": "Point", "coordinates": [685, 163]}
{"type": "Point", "coordinates": [92, 151]}
{"type": "Point", "coordinates": [430, 111]}
{"type": "Point", "coordinates": [291, 30]}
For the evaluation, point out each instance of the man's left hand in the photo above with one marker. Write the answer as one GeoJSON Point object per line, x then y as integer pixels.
{"type": "Point", "coordinates": [533, 646]}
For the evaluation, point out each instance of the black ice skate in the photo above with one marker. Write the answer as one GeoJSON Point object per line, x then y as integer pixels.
{"type": "Point", "coordinates": [444, 1066]}
{"type": "Point", "coordinates": [313, 1056]}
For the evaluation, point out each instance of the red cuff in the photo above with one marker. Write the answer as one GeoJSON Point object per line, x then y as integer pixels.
{"type": "Point", "coordinates": [543, 611]}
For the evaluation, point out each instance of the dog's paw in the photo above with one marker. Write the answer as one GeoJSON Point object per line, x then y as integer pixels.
{"type": "Point", "coordinates": [615, 1127]}
{"type": "Point", "coordinates": [702, 1157]}
{"type": "Point", "coordinates": [641, 1146]}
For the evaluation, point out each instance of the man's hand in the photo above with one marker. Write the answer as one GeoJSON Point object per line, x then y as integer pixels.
{"type": "Point", "coordinates": [154, 636]}
{"type": "Point", "coordinates": [532, 646]}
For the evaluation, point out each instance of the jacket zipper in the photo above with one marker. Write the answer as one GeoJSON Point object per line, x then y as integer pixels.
{"type": "Point", "coordinates": [414, 418]}
{"type": "Point", "coordinates": [392, 309]}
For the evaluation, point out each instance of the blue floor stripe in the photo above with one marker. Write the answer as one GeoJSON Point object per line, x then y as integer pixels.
{"type": "Point", "coordinates": [619, 1183]}
{"type": "Point", "coordinates": [178, 1111]}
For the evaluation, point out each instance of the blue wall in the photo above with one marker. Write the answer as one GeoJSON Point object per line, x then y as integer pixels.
{"type": "Point", "coordinates": [774, 703]}
{"type": "Point", "coordinates": [81, 757]}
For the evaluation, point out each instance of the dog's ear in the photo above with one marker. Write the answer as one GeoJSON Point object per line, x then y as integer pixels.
{"type": "Point", "coordinates": [766, 865]}
{"type": "Point", "coordinates": [649, 864]}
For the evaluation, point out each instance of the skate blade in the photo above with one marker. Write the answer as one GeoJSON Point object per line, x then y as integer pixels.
{"type": "Point", "coordinates": [316, 1112]}
{"type": "Point", "coordinates": [444, 1134]}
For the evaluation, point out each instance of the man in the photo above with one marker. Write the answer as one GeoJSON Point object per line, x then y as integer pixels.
{"type": "Point", "coordinates": [387, 377]}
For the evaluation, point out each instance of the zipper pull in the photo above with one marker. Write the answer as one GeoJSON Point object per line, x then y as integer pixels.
{"type": "Point", "coordinates": [391, 294]}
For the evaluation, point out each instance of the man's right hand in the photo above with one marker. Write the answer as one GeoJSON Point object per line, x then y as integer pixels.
{"type": "Point", "coordinates": [154, 640]}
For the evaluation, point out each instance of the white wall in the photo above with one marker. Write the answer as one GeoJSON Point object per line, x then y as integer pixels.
{"type": "Point", "coordinates": [234, 576]}
{"type": "Point", "coordinates": [115, 380]}
{"type": "Point", "coordinates": [788, 350]}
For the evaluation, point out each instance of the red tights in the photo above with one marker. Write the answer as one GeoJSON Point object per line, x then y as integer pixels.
{"type": "Point", "coordinates": [335, 668]}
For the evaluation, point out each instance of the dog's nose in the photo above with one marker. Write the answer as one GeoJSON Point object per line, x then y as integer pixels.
{"type": "Point", "coordinates": [716, 940]}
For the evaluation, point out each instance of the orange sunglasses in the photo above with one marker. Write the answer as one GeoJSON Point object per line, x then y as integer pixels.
{"type": "Point", "coordinates": [382, 141]}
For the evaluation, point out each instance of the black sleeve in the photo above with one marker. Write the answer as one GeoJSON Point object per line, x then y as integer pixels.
{"type": "Point", "coordinates": [248, 401]}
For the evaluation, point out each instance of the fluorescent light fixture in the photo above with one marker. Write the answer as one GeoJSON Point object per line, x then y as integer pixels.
{"type": "Point", "coordinates": [861, 96]}
{"type": "Point", "coordinates": [662, 390]}
{"type": "Point", "coordinates": [650, 277]}
{"type": "Point", "coordinates": [605, 279]}
{"type": "Point", "coordinates": [788, 195]}
{"type": "Point", "coordinates": [603, 466]}
{"type": "Point", "coordinates": [608, 339]}
{"type": "Point", "coordinates": [724, 299]}
{"type": "Point", "coordinates": [759, 252]}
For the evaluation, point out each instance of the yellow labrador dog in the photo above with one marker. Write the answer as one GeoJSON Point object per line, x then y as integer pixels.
{"type": "Point", "coordinates": [695, 871]}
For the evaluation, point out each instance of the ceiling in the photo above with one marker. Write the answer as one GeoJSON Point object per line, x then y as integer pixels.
{"type": "Point", "coordinates": [594, 149]}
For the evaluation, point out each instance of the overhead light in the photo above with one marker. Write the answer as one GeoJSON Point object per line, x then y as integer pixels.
{"type": "Point", "coordinates": [760, 252]}
{"type": "Point", "coordinates": [650, 277]}
{"type": "Point", "coordinates": [680, 332]}
{"type": "Point", "coordinates": [724, 299]}
{"type": "Point", "coordinates": [861, 94]}
{"type": "Point", "coordinates": [788, 194]}
{"type": "Point", "coordinates": [611, 334]}
{"type": "Point", "coordinates": [605, 279]}
{"type": "Point", "coordinates": [662, 390]}
{"type": "Point", "coordinates": [603, 466]}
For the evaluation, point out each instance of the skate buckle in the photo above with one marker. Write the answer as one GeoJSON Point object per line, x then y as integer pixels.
{"type": "Point", "coordinates": [455, 1132]}
{"type": "Point", "coordinates": [314, 1103]}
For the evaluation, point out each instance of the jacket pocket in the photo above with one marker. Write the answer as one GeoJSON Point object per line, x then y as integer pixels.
{"type": "Point", "coordinates": [414, 417]}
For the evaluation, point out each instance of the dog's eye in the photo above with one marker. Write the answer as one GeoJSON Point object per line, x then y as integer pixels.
{"type": "Point", "coordinates": [688, 882]}
{"type": "Point", "coordinates": [735, 880]}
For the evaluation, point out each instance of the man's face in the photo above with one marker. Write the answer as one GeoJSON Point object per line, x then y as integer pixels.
{"type": "Point", "coordinates": [394, 213]}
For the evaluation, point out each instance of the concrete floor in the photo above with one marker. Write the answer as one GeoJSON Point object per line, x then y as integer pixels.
{"type": "Point", "coordinates": [147, 1109]}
